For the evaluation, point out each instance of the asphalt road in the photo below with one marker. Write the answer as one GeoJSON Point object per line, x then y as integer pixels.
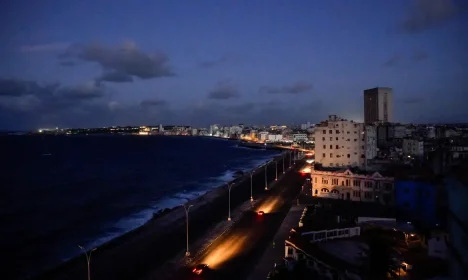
{"type": "Point", "coordinates": [235, 254]}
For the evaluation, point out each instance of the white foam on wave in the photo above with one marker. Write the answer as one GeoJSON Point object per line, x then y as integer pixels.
{"type": "Point", "coordinates": [138, 219]}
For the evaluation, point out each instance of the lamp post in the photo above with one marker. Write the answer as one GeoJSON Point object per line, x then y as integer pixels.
{"type": "Point", "coordinates": [187, 209]}
{"type": "Point", "coordinates": [284, 155]}
{"type": "Point", "coordinates": [276, 178]}
{"type": "Point", "coordinates": [266, 181]}
{"type": "Point", "coordinates": [229, 188]}
{"type": "Point", "coordinates": [251, 184]}
{"type": "Point", "coordinates": [88, 259]}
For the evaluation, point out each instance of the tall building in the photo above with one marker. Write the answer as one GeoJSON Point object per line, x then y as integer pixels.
{"type": "Point", "coordinates": [378, 105]}
{"type": "Point", "coordinates": [340, 142]}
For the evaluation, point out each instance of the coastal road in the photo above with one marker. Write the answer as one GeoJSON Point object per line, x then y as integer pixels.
{"type": "Point", "coordinates": [235, 254]}
{"type": "Point", "coordinates": [135, 255]}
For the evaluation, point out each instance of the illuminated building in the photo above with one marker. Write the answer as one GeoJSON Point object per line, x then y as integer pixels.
{"type": "Point", "coordinates": [352, 184]}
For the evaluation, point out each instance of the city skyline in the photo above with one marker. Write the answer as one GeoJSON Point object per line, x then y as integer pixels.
{"type": "Point", "coordinates": [83, 64]}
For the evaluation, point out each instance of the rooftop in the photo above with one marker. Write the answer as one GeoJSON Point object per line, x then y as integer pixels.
{"type": "Point", "coordinates": [329, 252]}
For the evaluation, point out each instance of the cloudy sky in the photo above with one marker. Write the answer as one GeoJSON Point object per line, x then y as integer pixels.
{"type": "Point", "coordinates": [114, 62]}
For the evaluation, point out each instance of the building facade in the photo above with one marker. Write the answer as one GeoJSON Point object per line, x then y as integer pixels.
{"type": "Point", "coordinates": [413, 147]}
{"type": "Point", "coordinates": [340, 142]}
{"type": "Point", "coordinates": [348, 185]}
{"type": "Point", "coordinates": [378, 105]}
{"type": "Point", "coordinates": [457, 222]}
{"type": "Point", "coordinates": [300, 137]}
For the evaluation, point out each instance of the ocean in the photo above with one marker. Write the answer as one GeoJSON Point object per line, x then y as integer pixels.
{"type": "Point", "coordinates": [58, 192]}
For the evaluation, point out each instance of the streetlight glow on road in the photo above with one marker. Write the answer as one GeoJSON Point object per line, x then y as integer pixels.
{"type": "Point", "coordinates": [226, 251]}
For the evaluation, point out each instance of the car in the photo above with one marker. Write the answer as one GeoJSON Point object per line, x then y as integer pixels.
{"type": "Point", "coordinates": [200, 268]}
{"type": "Point", "coordinates": [260, 213]}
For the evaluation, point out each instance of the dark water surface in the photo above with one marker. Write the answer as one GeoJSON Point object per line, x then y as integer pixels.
{"type": "Point", "coordinates": [91, 189]}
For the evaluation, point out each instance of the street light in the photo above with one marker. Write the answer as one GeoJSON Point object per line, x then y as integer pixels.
{"type": "Point", "coordinates": [276, 178]}
{"type": "Point", "coordinates": [284, 155]}
{"type": "Point", "coordinates": [266, 181]}
{"type": "Point", "coordinates": [251, 193]}
{"type": "Point", "coordinates": [88, 259]}
{"type": "Point", "coordinates": [229, 188]}
{"type": "Point", "coordinates": [290, 158]}
{"type": "Point", "coordinates": [187, 209]}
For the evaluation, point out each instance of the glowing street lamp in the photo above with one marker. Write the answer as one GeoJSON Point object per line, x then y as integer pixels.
{"type": "Point", "coordinates": [229, 188]}
{"type": "Point", "coordinates": [284, 155]}
{"type": "Point", "coordinates": [187, 209]}
{"type": "Point", "coordinates": [276, 178]}
{"type": "Point", "coordinates": [266, 181]}
{"type": "Point", "coordinates": [251, 184]}
{"type": "Point", "coordinates": [88, 259]}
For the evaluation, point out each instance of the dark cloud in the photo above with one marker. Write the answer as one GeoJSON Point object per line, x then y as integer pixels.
{"type": "Point", "coordinates": [223, 59]}
{"type": "Point", "coordinates": [419, 56]}
{"type": "Point", "coordinates": [15, 87]}
{"type": "Point", "coordinates": [153, 103]}
{"type": "Point", "coordinates": [393, 61]}
{"type": "Point", "coordinates": [299, 87]}
{"type": "Point", "coordinates": [126, 60]}
{"type": "Point", "coordinates": [224, 90]}
{"type": "Point", "coordinates": [426, 14]}
{"type": "Point", "coordinates": [115, 76]}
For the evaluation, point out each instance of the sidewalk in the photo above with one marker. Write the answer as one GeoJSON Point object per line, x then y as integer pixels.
{"type": "Point", "coordinates": [272, 255]}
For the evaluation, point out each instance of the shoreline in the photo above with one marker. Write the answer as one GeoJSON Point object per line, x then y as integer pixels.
{"type": "Point", "coordinates": [155, 228]}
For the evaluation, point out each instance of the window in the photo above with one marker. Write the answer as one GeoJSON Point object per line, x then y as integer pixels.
{"type": "Point", "coordinates": [331, 155]}
{"type": "Point", "coordinates": [355, 139]}
{"type": "Point", "coordinates": [337, 146]}
{"type": "Point", "coordinates": [368, 184]}
{"type": "Point", "coordinates": [335, 182]}
{"type": "Point", "coordinates": [363, 156]}
{"type": "Point", "coordinates": [324, 181]}
{"type": "Point", "coordinates": [347, 182]}
{"type": "Point", "coordinates": [337, 132]}
{"type": "Point", "coordinates": [336, 138]}
{"type": "Point", "coordinates": [323, 138]}
{"type": "Point", "coordinates": [323, 155]}
{"type": "Point", "coordinates": [356, 194]}
{"type": "Point", "coordinates": [315, 179]}
{"type": "Point", "coordinates": [349, 155]}
{"type": "Point", "coordinates": [324, 132]}
{"type": "Point", "coordinates": [347, 132]}
{"type": "Point", "coordinates": [368, 195]}
{"type": "Point", "coordinates": [290, 250]}
{"type": "Point", "coordinates": [342, 183]}
{"type": "Point", "coordinates": [325, 190]}
{"type": "Point", "coordinates": [331, 147]}
{"type": "Point", "coordinates": [324, 146]}
{"type": "Point", "coordinates": [356, 183]}
{"type": "Point", "coordinates": [331, 138]}
{"type": "Point", "coordinates": [330, 131]}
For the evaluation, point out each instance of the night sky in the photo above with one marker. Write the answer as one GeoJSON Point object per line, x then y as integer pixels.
{"type": "Point", "coordinates": [82, 63]}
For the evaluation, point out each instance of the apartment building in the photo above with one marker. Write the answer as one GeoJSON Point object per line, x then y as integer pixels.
{"type": "Point", "coordinates": [340, 142]}
{"type": "Point", "coordinates": [378, 105]}
{"type": "Point", "coordinates": [413, 147]}
{"type": "Point", "coordinates": [352, 184]}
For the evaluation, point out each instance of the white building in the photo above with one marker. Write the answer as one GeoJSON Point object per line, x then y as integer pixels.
{"type": "Point", "coordinates": [357, 186]}
{"type": "Point", "coordinates": [413, 147]}
{"type": "Point", "coordinates": [431, 132]}
{"type": "Point", "coordinates": [370, 142]}
{"type": "Point", "coordinates": [194, 132]}
{"type": "Point", "coordinates": [378, 105]}
{"type": "Point", "coordinates": [305, 126]}
{"type": "Point", "coordinates": [263, 136]}
{"type": "Point", "coordinates": [300, 137]}
{"type": "Point", "coordinates": [340, 142]}
{"type": "Point", "coordinates": [161, 128]}
{"type": "Point", "coordinates": [275, 137]}
{"type": "Point", "coordinates": [213, 129]}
